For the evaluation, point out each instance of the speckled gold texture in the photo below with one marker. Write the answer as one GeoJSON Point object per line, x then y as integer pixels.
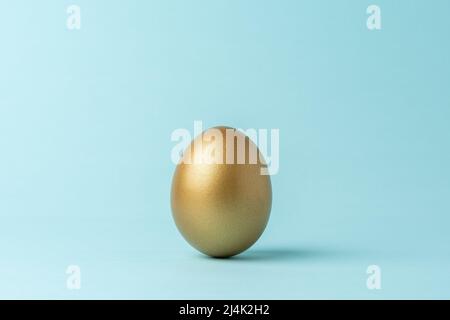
{"type": "Point", "coordinates": [221, 209]}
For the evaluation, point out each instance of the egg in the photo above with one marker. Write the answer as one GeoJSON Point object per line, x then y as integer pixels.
{"type": "Point", "coordinates": [220, 199]}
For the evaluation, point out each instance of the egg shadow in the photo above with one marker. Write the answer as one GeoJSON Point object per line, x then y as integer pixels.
{"type": "Point", "coordinates": [290, 254]}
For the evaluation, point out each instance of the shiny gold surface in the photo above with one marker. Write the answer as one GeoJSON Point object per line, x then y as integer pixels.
{"type": "Point", "coordinates": [220, 209]}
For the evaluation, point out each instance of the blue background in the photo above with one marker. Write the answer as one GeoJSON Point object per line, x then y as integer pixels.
{"type": "Point", "coordinates": [85, 124]}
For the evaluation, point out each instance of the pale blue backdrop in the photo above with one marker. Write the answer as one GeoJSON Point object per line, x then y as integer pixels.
{"type": "Point", "coordinates": [85, 124]}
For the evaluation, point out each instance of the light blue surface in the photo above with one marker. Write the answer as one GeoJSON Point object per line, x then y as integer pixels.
{"type": "Point", "coordinates": [85, 124]}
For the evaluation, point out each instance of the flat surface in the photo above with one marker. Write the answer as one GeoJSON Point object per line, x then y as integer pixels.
{"type": "Point", "coordinates": [85, 124]}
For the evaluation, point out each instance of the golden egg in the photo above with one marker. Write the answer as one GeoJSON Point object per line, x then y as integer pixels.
{"type": "Point", "coordinates": [220, 198]}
